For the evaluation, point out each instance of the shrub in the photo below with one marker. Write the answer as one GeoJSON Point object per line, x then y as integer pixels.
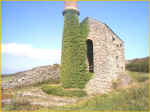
{"type": "Point", "coordinates": [142, 66]}
{"type": "Point", "coordinates": [74, 72]}
{"type": "Point", "coordinates": [60, 91]}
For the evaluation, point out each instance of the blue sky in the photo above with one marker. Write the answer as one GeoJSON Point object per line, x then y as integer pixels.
{"type": "Point", "coordinates": [32, 31]}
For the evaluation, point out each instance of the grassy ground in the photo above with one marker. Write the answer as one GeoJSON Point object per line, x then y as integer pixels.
{"type": "Point", "coordinates": [58, 90]}
{"type": "Point", "coordinates": [133, 98]}
{"type": "Point", "coordinates": [138, 76]}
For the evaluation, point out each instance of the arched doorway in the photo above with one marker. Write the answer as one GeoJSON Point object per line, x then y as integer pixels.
{"type": "Point", "coordinates": [90, 55]}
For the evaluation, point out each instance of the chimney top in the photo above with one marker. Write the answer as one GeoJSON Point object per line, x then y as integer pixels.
{"type": "Point", "coordinates": [70, 5]}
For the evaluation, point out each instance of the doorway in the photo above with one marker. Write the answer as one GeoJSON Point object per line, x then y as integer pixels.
{"type": "Point", "coordinates": [90, 55]}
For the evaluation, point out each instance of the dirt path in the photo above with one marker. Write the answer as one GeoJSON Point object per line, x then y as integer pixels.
{"type": "Point", "coordinates": [37, 97]}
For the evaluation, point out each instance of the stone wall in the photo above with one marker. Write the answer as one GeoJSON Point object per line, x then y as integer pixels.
{"type": "Point", "coordinates": [108, 57]}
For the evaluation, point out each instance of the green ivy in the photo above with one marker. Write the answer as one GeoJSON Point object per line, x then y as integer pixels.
{"type": "Point", "coordinates": [84, 29]}
{"type": "Point", "coordinates": [74, 72]}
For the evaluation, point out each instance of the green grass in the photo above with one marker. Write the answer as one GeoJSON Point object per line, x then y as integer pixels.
{"type": "Point", "coordinates": [135, 98]}
{"type": "Point", "coordinates": [138, 76]}
{"type": "Point", "coordinates": [60, 91]}
{"type": "Point", "coordinates": [47, 82]}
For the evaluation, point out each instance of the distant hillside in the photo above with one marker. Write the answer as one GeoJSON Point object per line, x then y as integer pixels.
{"type": "Point", "coordinates": [138, 64]}
{"type": "Point", "coordinates": [30, 77]}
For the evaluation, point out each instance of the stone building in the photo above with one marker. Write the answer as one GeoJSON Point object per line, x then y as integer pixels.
{"type": "Point", "coordinates": [105, 54]}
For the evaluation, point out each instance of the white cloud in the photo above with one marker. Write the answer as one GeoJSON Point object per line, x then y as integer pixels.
{"type": "Point", "coordinates": [27, 50]}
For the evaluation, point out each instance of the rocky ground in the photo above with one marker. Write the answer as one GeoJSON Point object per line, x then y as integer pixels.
{"type": "Point", "coordinates": [30, 77]}
{"type": "Point", "coordinates": [25, 88]}
{"type": "Point", "coordinates": [35, 96]}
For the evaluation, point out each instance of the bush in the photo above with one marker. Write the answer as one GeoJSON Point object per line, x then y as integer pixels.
{"type": "Point", "coordinates": [74, 72]}
{"type": "Point", "coordinates": [138, 66]}
{"type": "Point", "coordinates": [60, 91]}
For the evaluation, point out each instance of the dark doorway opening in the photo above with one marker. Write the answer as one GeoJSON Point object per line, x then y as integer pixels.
{"type": "Point", "coordinates": [90, 55]}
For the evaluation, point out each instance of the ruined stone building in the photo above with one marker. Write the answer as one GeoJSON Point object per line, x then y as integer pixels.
{"type": "Point", "coordinates": [105, 54]}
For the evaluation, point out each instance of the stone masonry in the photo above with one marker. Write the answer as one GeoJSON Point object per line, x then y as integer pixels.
{"type": "Point", "coordinates": [108, 57]}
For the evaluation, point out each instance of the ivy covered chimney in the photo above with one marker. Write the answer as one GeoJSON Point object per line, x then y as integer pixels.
{"type": "Point", "coordinates": [73, 67]}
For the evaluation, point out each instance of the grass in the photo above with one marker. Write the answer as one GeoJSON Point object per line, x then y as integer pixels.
{"type": "Point", "coordinates": [20, 104]}
{"type": "Point", "coordinates": [60, 91]}
{"type": "Point", "coordinates": [138, 76]}
{"type": "Point", "coordinates": [47, 82]}
{"type": "Point", "coordinates": [135, 98]}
